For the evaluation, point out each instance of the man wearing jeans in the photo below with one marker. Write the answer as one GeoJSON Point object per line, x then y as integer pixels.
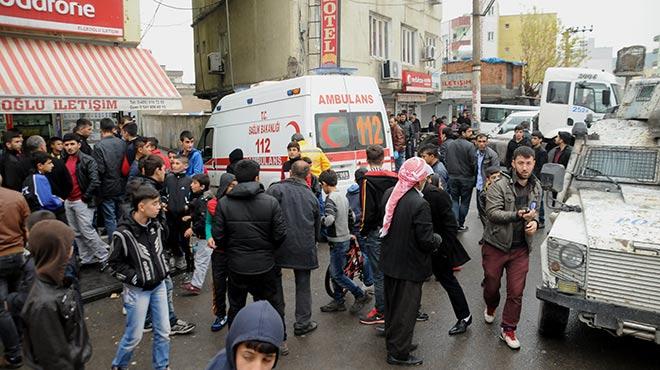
{"type": "Point", "coordinates": [138, 262]}
{"type": "Point", "coordinates": [13, 235]}
{"type": "Point", "coordinates": [461, 165]}
{"type": "Point", "coordinates": [109, 154]}
{"type": "Point", "coordinates": [79, 205]}
{"type": "Point", "coordinates": [511, 204]}
{"type": "Point", "coordinates": [372, 187]}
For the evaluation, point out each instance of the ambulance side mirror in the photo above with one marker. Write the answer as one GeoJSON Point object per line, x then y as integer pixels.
{"type": "Point", "coordinates": [552, 177]}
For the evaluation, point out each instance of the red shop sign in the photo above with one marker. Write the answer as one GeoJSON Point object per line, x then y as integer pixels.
{"type": "Point", "coordinates": [330, 33]}
{"type": "Point", "coordinates": [95, 17]}
{"type": "Point", "coordinates": [417, 82]}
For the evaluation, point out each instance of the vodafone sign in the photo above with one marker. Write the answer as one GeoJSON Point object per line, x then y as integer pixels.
{"type": "Point", "coordinates": [96, 17]}
{"type": "Point", "coordinates": [417, 82]}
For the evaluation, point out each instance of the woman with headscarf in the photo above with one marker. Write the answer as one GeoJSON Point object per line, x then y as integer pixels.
{"type": "Point", "coordinates": [408, 241]}
{"type": "Point", "coordinates": [55, 333]}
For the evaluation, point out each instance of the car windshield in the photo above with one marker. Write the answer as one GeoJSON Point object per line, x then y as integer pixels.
{"type": "Point", "coordinates": [511, 122]}
{"type": "Point", "coordinates": [625, 164]}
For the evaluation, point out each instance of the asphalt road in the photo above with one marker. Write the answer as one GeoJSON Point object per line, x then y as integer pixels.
{"type": "Point", "coordinates": [341, 342]}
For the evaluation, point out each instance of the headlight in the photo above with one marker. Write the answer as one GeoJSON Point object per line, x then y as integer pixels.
{"type": "Point", "coordinates": [567, 260]}
{"type": "Point", "coordinates": [571, 256]}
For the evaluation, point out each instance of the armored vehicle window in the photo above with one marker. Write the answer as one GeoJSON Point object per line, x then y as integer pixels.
{"type": "Point", "coordinates": [645, 93]}
{"type": "Point", "coordinates": [627, 164]}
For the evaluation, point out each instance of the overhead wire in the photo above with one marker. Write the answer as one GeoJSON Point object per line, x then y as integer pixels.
{"type": "Point", "coordinates": [160, 2]}
{"type": "Point", "coordinates": [151, 23]}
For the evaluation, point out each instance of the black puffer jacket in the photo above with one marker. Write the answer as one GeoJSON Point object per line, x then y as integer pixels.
{"type": "Point", "coordinates": [55, 328]}
{"type": "Point", "coordinates": [249, 226]}
{"type": "Point", "coordinates": [137, 255]}
{"type": "Point", "coordinates": [372, 187]}
{"type": "Point", "coordinates": [87, 174]}
{"type": "Point", "coordinates": [198, 211]}
{"type": "Point", "coordinates": [109, 154]}
{"type": "Point", "coordinates": [12, 171]}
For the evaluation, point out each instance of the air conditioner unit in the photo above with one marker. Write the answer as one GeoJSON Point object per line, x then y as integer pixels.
{"type": "Point", "coordinates": [429, 53]}
{"type": "Point", "coordinates": [215, 63]}
{"type": "Point", "coordinates": [391, 70]}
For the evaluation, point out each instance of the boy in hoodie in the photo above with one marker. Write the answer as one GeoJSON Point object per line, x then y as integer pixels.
{"type": "Point", "coordinates": [139, 263]}
{"type": "Point", "coordinates": [55, 332]}
{"type": "Point", "coordinates": [253, 341]}
{"type": "Point", "coordinates": [199, 198]}
{"type": "Point", "coordinates": [177, 192]}
{"type": "Point", "coordinates": [337, 219]}
{"type": "Point", "coordinates": [37, 190]}
{"type": "Point", "coordinates": [219, 268]}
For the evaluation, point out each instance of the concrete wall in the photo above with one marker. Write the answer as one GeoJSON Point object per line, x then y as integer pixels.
{"type": "Point", "coordinates": [166, 128]}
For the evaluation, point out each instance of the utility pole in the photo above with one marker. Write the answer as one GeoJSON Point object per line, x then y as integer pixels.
{"type": "Point", "coordinates": [476, 63]}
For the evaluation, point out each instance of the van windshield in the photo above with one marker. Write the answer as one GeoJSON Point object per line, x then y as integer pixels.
{"type": "Point", "coordinates": [590, 96]}
{"type": "Point", "coordinates": [343, 131]}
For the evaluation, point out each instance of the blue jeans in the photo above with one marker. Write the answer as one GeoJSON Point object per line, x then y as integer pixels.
{"type": "Point", "coordinates": [461, 193]}
{"type": "Point", "coordinates": [367, 275]}
{"type": "Point", "coordinates": [339, 279]}
{"type": "Point", "coordinates": [137, 302]}
{"type": "Point", "coordinates": [169, 286]}
{"type": "Point", "coordinates": [372, 249]}
{"type": "Point", "coordinates": [111, 209]}
{"type": "Point", "coordinates": [399, 161]}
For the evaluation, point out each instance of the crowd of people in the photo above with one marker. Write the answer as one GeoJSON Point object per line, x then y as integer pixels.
{"type": "Point", "coordinates": [160, 216]}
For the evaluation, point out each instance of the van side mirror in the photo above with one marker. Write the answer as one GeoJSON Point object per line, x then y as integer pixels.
{"type": "Point", "coordinates": [606, 98]}
{"type": "Point", "coordinates": [552, 177]}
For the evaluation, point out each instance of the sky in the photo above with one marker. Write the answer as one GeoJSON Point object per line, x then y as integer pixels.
{"type": "Point", "coordinates": [615, 23]}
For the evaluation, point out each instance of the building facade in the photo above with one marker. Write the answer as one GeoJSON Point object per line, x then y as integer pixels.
{"type": "Point", "coordinates": [280, 39]}
{"type": "Point", "coordinates": [457, 36]}
{"type": "Point", "coordinates": [510, 31]}
{"type": "Point", "coordinates": [601, 58]}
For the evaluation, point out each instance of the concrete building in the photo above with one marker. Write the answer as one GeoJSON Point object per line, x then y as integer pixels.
{"type": "Point", "coordinates": [457, 36]}
{"type": "Point", "coordinates": [510, 31]}
{"type": "Point", "coordinates": [600, 58]}
{"type": "Point", "coordinates": [280, 39]}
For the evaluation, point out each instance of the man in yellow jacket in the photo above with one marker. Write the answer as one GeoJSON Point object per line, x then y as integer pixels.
{"type": "Point", "coordinates": [320, 161]}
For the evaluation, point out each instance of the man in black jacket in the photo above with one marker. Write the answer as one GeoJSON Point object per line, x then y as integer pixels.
{"type": "Point", "coordinates": [562, 152]}
{"type": "Point", "coordinates": [451, 254]}
{"type": "Point", "coordinates": [372, 187]}
{"type": "Point", "coordinates": [84, 129]}
{"type": "Point", "coordinates": [408, 241]}
{"type": "Point", "coordinates": [461, 162]}
{"type": "Point", "coordinates": [249, 226]}
{"type": "Point", "coordinates": [79, 204]}
{"type": "Point", "coordinates": [109, 154]}
{"type": "Point", "coordinates": [517, 141]}
{"type": "Point", "coordinates": [10, 161]}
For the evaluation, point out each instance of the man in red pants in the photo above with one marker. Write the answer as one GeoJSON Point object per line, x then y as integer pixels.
{"type": "Point", "coordinates": [512, 221]}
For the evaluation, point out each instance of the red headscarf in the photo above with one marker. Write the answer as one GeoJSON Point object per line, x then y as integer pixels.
{"type": "Point", "coordinates": [412, 172]}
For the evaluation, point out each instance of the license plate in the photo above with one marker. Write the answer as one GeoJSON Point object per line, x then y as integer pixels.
{"type": "Point", "coordinates": [568, 287]}
{"type": "Point", "coordinates": [343, 175]}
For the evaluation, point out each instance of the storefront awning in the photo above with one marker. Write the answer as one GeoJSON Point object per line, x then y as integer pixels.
{"type": "Point", "coordinates": [40, 76]}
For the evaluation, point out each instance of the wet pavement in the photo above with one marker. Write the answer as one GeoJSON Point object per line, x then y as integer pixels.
{"type": "Point", "coordinates": [341, 342]}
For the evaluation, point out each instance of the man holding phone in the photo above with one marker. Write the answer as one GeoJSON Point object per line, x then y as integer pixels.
{"type": "Point", "coordinates": [511, 211]}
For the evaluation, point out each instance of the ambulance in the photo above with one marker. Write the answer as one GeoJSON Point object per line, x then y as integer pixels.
{"type": "Point", "coordinates": [342, 115]}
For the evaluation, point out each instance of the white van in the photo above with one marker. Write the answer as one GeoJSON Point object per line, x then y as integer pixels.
{"type": "Point", "coordinates": [342, 115]}
{"type": "Point", "coordinates": [494, 114]}
{"type": "Point", "coordinates": [569, 94]}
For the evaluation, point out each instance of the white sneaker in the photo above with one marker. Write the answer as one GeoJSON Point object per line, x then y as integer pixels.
{"type": "Point", "coordinates": [509, 337]}
{"type": "Point", "coordinates": [488, 318]}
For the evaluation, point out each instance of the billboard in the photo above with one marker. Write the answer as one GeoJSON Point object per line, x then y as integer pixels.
{"type": "Point", "coordinates": [93, 17]}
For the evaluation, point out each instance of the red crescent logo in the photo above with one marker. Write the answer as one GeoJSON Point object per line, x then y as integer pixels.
{"type": "Point", "coordinates": [324, 132]}
{"type": "Point", "coordinates": [295, 125]}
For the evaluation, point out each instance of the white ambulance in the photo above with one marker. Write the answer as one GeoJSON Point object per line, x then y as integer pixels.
{"type": "Point", "coordinates": [342, 115]}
